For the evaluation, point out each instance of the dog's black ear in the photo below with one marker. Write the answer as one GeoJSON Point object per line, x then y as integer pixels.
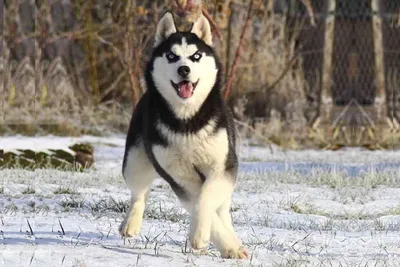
{"type": "Point", "coordinates": [202, 29]}
{"type": "Point", "coordinates": [165, 27]}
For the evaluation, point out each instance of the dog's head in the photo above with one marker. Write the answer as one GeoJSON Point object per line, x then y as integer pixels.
{"type": "Point", "coordinates": [184, 67]}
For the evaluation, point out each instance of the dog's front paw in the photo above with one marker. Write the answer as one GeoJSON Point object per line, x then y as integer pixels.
{"type": "Point", "coordinates": [237, 253]}
{"type": "Point", "coordinates": [129, 229]}
{"type": "Point", "coordinates": [199, 235]}
{"type": "Point", "coordinates": [199, 239]}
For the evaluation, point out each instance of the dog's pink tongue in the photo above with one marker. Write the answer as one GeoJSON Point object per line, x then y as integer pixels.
{"type": "Point", "coordinates": [185, 89]}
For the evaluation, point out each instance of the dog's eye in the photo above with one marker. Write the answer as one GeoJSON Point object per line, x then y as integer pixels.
{"type": "Point", "coordinates": [196, 56]}
{"type": "Point", "coordinates": [171, 56]}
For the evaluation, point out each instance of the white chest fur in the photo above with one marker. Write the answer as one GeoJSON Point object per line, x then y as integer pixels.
{"type": "Point", "coordinates": [205, 149]}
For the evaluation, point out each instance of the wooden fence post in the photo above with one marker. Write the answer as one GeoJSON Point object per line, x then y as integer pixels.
{"type": "Point", "coordinates": [326, 103]}
{"type": "Point", "coordinates": [380, 97]}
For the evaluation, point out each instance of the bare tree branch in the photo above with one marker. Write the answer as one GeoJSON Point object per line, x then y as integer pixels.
{"type": "Point", "coordinates": [238, 51]}
{"type": "Point", "coordinates": [310, 11]}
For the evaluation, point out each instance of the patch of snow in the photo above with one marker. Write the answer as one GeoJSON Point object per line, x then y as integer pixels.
{"type": "Point", "coordinates": [285, 219]}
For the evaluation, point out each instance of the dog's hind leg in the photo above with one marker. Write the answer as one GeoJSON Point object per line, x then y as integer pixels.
{"type": "Point", "coordinates": [139, 175]}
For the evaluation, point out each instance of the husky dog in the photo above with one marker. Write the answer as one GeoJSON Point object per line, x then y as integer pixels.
{"type": "Point", "coordinates": [182, 130]}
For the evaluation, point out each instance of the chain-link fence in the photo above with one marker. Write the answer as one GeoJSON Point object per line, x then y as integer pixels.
{"type": "Point", "coordinates": [390, 14]}
{"type": "Point", "coordinates": [363, 48]}
{"type": "Point", "coordinates": [353, 56]}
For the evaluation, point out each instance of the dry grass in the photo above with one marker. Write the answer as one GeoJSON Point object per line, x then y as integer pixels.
{"type": "Point", "coordinates": [59, 108]}
{"type": "Point", "coordinates": [60, 95]}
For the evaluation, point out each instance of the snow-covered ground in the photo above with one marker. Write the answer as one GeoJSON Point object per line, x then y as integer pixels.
{"type": "Point", "coordinates": [291, 208]}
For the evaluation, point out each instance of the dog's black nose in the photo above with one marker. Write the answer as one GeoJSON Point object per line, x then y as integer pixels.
{"type": "Point", "coordinates": [183, 71]}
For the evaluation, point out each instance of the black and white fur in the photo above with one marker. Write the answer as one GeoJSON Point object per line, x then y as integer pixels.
{"type": "Point", "coordinates": [190, 142]}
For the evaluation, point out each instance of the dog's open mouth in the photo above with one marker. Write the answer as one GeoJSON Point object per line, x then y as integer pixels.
{"type": "Point", "coordinates": [185, 89]}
